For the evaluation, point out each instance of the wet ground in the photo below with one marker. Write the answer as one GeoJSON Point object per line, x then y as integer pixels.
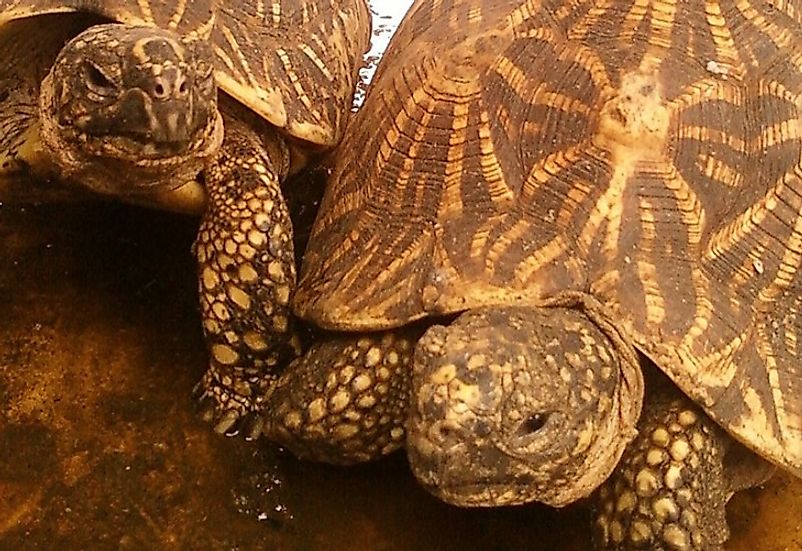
{"type": "Point", "coordinates": [100, 446]}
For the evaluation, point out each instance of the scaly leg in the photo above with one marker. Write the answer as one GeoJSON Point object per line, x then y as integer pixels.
{"type": "Point", "coordinates": [246, 271]}
{"type": "Point", "coordinates": [344, 401]}
{"type": "Point", "coordinates": [671, 487]}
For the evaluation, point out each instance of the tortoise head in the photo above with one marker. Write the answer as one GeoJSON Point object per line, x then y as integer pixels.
{"type": "Point", "coordinates": [511, 405]}
{"type": "Point", "coordinates": [126, 109]}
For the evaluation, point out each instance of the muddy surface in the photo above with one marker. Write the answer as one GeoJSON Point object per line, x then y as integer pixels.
{"type": "Point", "coordinates": [100, 446]}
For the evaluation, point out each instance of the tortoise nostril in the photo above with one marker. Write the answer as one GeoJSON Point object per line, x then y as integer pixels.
{"type": "Point", "coordinates": [159, 90]}
{"type": "Point", "coordinates": [532, 424]}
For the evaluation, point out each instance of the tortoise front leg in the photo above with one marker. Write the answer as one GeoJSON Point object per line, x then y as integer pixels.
{"type": "Point", "coordinates": [671, 487]}
{"type": "Point", "coordinates": [246, 272]}
{"type": "Point", "coordinates": [344, 401]}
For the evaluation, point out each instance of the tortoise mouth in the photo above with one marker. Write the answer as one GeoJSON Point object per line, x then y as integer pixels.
{"type": "Point", "coordinates": [139, 151]}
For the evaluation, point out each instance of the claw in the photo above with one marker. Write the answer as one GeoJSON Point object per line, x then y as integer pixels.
{"type": "Point", "coordinates": [228, 420]}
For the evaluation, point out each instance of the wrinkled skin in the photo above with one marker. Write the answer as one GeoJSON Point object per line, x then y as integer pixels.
{"type": "Point", "coordinates": [508, 405]}
{"type": "Point", "coordinates": [503, 406]}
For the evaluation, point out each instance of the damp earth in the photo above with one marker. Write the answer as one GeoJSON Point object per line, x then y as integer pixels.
{"type": "Point", "coordinates": [101, 446]}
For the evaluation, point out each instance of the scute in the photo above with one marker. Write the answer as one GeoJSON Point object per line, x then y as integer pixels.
{"type": "Point", "coordinates": [648, 154]}
{"type": "Point", "coordinates": [267, 53]}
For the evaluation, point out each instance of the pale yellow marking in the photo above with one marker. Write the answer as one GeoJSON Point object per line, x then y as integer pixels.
{"type": "Point", "coordinates": [754, 424]}
{"type": "Point", "coordinates": [237, 51]}
{"type": "Point", "coordinates": [647, 272]}
{"type": "Point", "coordinates": [742, 225]}
{"type": "Point", "coordinates": [451, 202]}
{"type": "Point", "coordinates": [178, 14]}
{"type": "Point", "coordinates": [319, 63]}
{"type": "Point", "coordinates": [716, 369]}
{"type": "Point", "coordinates": [224, 354]}
{"type": "Point", "coordinates": [655, 305]}
{"type": "Point", "coordinates": [540, 258]}
{"type": "Point", "coordinates": [144, 8]}
{"type": "Point", "coordinates": [605, 207]}
{"type": "Point", "coordinates": [784, 40]}
{"type": "Point", "coordinates": [777, 133]}
{"type": "Point", "coordinates": [255, 341]}
{"type": "Point", "coordinates": [693, 220]}
{"type": "Point", "coordinates": [138, 49]}
{"type": "Point", "coordinates": [726, 51]}
{"type": "Point", "coordinates": [702, 91]}
{"type": "Point", "coordinates": [523, 13]}
{"type": "Point", "coordinates": [493, 176]}
{"type": "Point", "coordinates": [275, 11]}
{"type": "Point", "coordinates": [596, 13]}
{"type": "Point", "coordinates": [659, 37]}
{"type": "Point", "coordinates": [792, 439]}
{"type": "Point", "coordinates": [495, 254]}
{"type": "Point", "coordinates": [788, 270]}
{"type": "Point", "coordinates": [300, 91]}
{"type": "Point", "coordinates": [718, 170]}
{"type": "Point", "coordinates": [225, 58]}
{"type": "Point", "coordinates": [475, 14]}
{"type": "Point", "coordinates": [632, 21]}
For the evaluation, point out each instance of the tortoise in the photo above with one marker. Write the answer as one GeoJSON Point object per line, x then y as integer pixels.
{"type": "Point", "coordinates": [122, 98]}
{"type": "Point", "coordinates": [547, 218]}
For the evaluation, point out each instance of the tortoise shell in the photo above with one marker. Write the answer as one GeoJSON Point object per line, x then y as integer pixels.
{"type": "Point", "coordinates": [288, 61]}
{"type": "Point", "coordinates": [646, 153]}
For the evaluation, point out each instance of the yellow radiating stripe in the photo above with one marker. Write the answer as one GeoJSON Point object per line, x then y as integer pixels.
{"type": "Point", "coordinates": [706, 134]}
{"type": "Point", "coordinates": [742, 225]}
{"type": "Point", "coordinates": [296, 82]}
{"type": "Point", "coordinates": [716, 169]}
{"type": "Point", "coordinates": [598, 12]}
{"type": "Point", "coordinates": [492, 173]}
{"type": "Point", "coordinates": [451, 202]}
{"type": "Point", "coordinates": [784, 39]}
{"type": "Point", "coordinates": [144, 8]}
{"type": "Point", "coordinates": [319, 63]}
{"type": "Point", "coordinates": [178, 14]}
{"type": "Point", "coordinates": [632, 20]}
{"type": "Point", "coordinates": [726, 51]}
{"type": "Point", "coordinates": [623, 168]}
{"type": "Point", "coordinates": [655, 304]}
{"type": "Point", "coordinates": [540, 258]}
{"type": "Point", "coordinates": [769, 357]}
{"type": "Point", "coordinates": [788, 270]}
{"type": "Point", "coordinates": [243, 63]}
{"type": "Point", "coordinates": [704, 90]}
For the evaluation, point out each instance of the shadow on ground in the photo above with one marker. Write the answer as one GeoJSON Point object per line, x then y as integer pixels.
{"type": "Point", "coordinates": [100, 447]}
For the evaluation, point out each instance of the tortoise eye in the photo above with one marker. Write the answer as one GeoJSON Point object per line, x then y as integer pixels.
{"type": "Point", "coordinates": [533, 423]}
{"type": "Point", "coordinates": [97, 81]}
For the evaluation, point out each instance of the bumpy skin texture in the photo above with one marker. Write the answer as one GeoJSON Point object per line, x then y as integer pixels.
{"type": "Point", "coordinates": [247, 270]}
{"type": "Point", "coordinates": [512, 405]}
{"type": "Point", "coordinates": [345, 401]}
{"type": "Point", "coordinates": [670, 490]}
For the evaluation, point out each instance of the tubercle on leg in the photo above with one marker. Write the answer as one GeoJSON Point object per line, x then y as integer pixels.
{"type": "Point", "coordinates": [246, 271]}
{"type": "Point", "coordinates": [345, 400]}
{"type": "Point", "coordinates": [670, 488]}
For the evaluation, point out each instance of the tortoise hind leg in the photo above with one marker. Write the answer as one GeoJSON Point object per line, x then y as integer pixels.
{"type": "Point", "coordinates": [246, 271]}
{"type": "Point", "coordinates": [671, 487]}
{"type": "Point", "coordinates": [344, 401]}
